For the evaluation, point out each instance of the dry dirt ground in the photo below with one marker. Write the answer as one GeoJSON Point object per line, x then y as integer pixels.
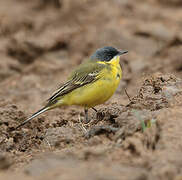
{"type": "Point", "coordinates": [41, 41]}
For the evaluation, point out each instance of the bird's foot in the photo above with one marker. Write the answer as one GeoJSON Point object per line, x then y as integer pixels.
{"type": "Point", "coordinates": [82, 126]}
{"type": "Point", "coordinates": [94, 109]}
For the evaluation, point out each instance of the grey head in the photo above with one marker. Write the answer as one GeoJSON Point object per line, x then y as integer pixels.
{"type": "Point", "coordinates": [106, 53]}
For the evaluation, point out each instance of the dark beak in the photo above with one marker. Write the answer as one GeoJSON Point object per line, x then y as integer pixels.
{"type": "Point", "coordinates": [122, 52]}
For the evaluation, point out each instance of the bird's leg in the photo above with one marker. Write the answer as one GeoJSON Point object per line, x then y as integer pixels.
{"type": "Point", "coordinates": [86, 116]}
{"type": "Point", "coordinates": [94, 109]}
{"type": "Point", "coordinates": [82, 125]}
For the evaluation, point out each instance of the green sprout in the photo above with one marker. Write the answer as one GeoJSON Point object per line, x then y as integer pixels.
{"type": "Point", "coordinates": [148, 124]}
{"type": "Point", "coordinates": [144, 123]}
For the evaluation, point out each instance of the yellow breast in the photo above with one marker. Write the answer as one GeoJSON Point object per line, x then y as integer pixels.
{"type": "Point", "coordinates": [99, 91]}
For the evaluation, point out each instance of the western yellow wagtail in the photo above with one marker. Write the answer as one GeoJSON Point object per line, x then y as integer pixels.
{"type": "Point", "coordinates": [92, 83]}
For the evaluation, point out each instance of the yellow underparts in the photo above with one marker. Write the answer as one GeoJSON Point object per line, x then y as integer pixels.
{"type": "Point", "coordinates": [99, 91]}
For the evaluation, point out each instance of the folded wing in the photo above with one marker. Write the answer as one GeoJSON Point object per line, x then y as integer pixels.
{"type": "Point", "coordinates": [83, 75]}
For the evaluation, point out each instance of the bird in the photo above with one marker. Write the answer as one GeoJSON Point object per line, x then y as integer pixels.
{"type": "Point", "coordinates": [92, 83]}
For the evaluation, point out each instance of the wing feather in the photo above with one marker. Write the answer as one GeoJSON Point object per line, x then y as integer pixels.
{"type": "Point", "coordinates": [83, 75]}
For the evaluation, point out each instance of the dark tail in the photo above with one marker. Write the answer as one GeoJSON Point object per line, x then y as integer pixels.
{"type": "Point", "coordinates": [33, 116]}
